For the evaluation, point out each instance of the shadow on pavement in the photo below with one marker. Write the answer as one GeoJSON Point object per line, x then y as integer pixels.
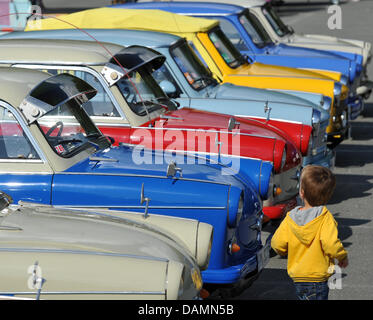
{"type": "Point", "coordinates": [272, 284]}
{"type": "Point", "coordinates": [351, 186]}
{"type": "Point", "coordinates": [349, 155]}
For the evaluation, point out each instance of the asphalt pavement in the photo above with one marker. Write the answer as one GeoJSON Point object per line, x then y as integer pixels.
{"type": "Point", "coordinates": [352, 202]}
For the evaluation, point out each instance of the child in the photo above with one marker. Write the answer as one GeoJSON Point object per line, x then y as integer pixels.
{"type": "Point", "coordinates": [309, 237]}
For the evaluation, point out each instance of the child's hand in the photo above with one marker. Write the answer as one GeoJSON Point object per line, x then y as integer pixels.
{"type": "Point", "coordinates": [343, 263]}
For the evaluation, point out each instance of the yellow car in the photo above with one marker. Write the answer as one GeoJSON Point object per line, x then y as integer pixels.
{"type": "Point", "coordinates": [217, 52]}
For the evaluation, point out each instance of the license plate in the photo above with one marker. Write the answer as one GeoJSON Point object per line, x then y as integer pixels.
{"type": "Point", "coordinates": [263, 256]}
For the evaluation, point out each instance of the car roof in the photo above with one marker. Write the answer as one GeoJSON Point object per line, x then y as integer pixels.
{"type": "Point", "coordinates": [112, 18]}
{"type": "Point", "coordinates": [150, 39]}
{"type": "Point", "coordinates": [186, 7]}
{"type": "Point", "coordinates": [46, 50]}
{"type": "Point", "coordinates": [243, 3]}
{"type": "Point", "coordinates": [16, 83]}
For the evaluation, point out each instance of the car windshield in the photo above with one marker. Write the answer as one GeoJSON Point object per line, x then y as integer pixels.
{"type": "Point", "coordinates": [275, 21]}
{"type": "Point", "coordinates": [69, 130]}
{"type": "Point", "coordinates": [255, 30]}
{"type": "Point", "coordinates": [191, 66]}
{"type": "Point", "coordinates": [142, 92]}
{"type": "Point", "coordinates": [229, 53]}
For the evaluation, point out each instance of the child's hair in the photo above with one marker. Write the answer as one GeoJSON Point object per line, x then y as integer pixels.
{"type": "Point", "coordinates": [318, 184]}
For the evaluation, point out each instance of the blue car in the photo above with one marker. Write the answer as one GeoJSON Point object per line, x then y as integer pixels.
{"type": "Point", "coordinates": [52, 153]}
{"type": "Point", "coordinates": [212, 96]}
{"type": "Point", "coordinates": [251, 39]}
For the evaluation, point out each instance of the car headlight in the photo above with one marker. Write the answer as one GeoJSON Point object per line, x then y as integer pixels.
{"type": "Point", "coordinates": [316, 118]}
{"type": "Point", "coordinates": [344, 119]}
{"type": "Point", "coordinates": [240, 210]}
{"type": "Point", "coordinates": [236, 210]}
{"type": "Point", "coordinates": [327, 103]}
{"type": "Point", "coordinates": [337, 92]}
{"type": "Point", "coordinates": [204, 244]}
{"type": "Point", "coordinates": [337, 89]}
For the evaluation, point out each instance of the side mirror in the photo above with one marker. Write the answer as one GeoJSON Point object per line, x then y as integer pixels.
{"type": "Point", "coordinates": [5, 200]}
{"type": "Point", "coordinates": [168, 87]}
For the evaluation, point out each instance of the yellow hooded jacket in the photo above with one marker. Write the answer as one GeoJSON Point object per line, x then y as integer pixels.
{"type": "Point", "coordinates": [311, 248]}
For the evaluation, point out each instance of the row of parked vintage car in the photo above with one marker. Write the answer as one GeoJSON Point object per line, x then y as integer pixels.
{"type": "Point", "coordinates": [144, 145]}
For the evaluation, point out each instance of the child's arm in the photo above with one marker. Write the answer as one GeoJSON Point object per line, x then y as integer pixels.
{"type": "Point", "coordinates": [279, 240]}
{"type": "Point", "coordinates": [330, 242]}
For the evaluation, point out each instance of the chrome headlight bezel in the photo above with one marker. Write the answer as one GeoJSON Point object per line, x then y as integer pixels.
{"type": "Point", "coordinates": [337, 92]}
{"type": "Point", "coordinates": [327, 104]}
{"type": "Point", "coordinates": [344, 79]}
{"type": "Point", "coordinates": [239, 210]}
{"type": "Point", "coordinates": [316, 119]}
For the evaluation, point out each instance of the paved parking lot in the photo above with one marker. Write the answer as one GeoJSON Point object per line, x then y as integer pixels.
{"type": "Point", "coordinates": [352, 202]}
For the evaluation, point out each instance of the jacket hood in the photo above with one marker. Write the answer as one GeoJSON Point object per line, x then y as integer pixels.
{"type": "Point", "coordinates": [305, 224]}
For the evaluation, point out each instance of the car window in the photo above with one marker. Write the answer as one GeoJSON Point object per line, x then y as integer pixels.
{"type": "Point", "coordinates": [163, 77]}
{"type": "Point", "coordinates": [101, 104]}
{"type": "Point", "coordinates": [255, 29]}
{"type": "Point", "coordinates": [14, 143]}
{"type": "Point", "coordinates": [68, 129]}
{"type": "Point", "coordinates": [275, 21]}
{"type": "Point", "coordinates": [227, 50]}
{"type": "Point", "coordinates": [230, 30]}
{"type": "Point", "coordinates": [194, 71]}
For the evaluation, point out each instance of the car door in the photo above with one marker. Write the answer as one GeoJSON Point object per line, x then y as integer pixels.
{"type": "Point", "coordinates": [24, 171]}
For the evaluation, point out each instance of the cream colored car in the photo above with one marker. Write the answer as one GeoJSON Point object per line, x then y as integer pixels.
{"type": "Point", "coordinates": [50, 253]}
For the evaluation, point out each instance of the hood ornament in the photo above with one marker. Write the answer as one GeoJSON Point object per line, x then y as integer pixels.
{"type": "Point", "coordinates": [232, 123]}
{"type": "Point", "coordinates": [36, 281]}
{"type": "Point", "coordinates": [172, 169]}
{"type": "Point", "coordinates": [267, 109]}
{"type": "Point", "coordinates": [144, 199]}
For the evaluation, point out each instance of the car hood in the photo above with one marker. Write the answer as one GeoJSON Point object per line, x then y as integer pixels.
{"type": "Point", "coordinates": [102, 234]}
{"type": "Point", "coordinates": [231, 91]}
{"type": "Point", "coordinates": [198, 119]}
{"type": "Point", "coordinates": [283, 49]}
{"type": "Point", "coordinates": [260, 69]}
{"type": "Point", "coordinates": [120, 161]}
{"type": "Point", "coordinates": [235, 92]}
{"type": "Point", "coordinates": [336, 43]}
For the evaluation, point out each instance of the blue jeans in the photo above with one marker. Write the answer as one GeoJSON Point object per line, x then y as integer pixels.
{"type": "Point", "coordinates": [312, 290]}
